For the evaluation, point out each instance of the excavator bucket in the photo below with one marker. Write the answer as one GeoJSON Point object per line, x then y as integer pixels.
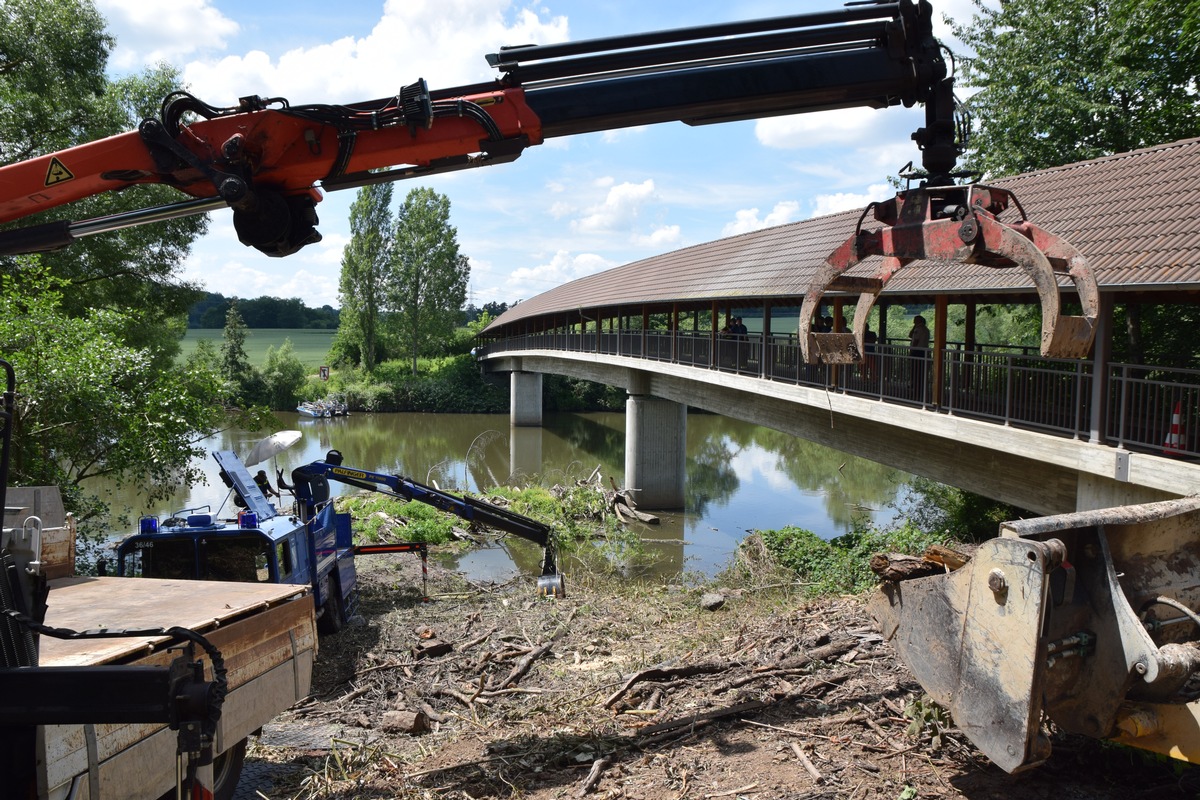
{"type": "Point", "coordinates": [971, 638]}
{"type": "Point", "coordinates": [951, 223]}
{"type": "Point", "coordinates": [1087, 619]}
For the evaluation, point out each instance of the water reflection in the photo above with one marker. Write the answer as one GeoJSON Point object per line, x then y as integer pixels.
{"type": "Point", "coordinates": [740, 477]}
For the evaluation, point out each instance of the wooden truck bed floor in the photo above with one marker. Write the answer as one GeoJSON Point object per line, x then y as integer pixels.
{"type": "Point", "coordinates": [83, 603]}
{"type": "Point", "coordinates": [266, 634]}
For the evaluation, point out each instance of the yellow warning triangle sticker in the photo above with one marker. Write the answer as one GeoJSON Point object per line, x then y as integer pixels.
{"type": "Point", "coordinates": [58, 173]}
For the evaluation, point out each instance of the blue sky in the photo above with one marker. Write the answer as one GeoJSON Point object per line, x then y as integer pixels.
{"type": "Point", "coordinates": [565, 209]}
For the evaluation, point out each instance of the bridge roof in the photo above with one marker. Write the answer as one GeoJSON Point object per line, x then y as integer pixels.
{"type": "Point", "coordinates": [1132, 215]}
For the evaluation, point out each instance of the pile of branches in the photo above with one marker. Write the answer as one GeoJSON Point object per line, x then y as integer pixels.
{"type": "Point", "coordinates": [800, 680]}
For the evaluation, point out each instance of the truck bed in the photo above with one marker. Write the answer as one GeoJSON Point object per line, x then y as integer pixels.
{"type": "Point", "coordinates": [266, 635]}
{"type": "Point", "coordinates": [83, 603]}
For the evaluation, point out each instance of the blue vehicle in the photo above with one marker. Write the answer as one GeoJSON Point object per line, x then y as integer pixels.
{"type": "Point", "coordinates": [312, 546]}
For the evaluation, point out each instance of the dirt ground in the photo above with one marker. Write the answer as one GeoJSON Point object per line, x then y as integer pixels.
{"type": "Point", "coordinates": [629, 691]}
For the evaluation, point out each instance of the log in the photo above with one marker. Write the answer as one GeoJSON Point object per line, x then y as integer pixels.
{"type": "Point", "coordinates": [405, 722]}
{"type": "Point", "coordinates": [524, 664]}
{"type": "Point", "coordinates": [809, 767]}
{"type": "Point", "coordinates": [657, 674]}
{"type": "Point", "coordinates": [704, 716]}
{"type": "Point", "coordinates": [431, 648]}
{"type": "Point", "coordinates": [901, 567]}
{"type": "Point", "coordinates": [950, 559]}
{"type": "Point", "coordinates": [822, 653]}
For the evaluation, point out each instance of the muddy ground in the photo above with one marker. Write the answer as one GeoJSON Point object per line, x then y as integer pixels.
{"type": "Point", "coordinates": [624, 690]}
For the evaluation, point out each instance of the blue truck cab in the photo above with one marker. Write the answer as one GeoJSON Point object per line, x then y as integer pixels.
{"type": "Point", "coordinates": [260, 545]}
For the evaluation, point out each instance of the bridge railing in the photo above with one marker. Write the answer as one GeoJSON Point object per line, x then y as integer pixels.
{"type": "Point", "coordinates": [1155, 408]}
{"type": "Point", "coordinates": [1147, 408]}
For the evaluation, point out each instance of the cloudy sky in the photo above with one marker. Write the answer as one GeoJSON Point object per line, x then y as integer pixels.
{"type": "Point", "coordinates": [567, 208]}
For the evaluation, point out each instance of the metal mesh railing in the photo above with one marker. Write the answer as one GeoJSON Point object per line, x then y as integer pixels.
{"type": "Point", "coordinates": [1156, 409]}
{"type": "Point", "coordinates": [1151, 409]}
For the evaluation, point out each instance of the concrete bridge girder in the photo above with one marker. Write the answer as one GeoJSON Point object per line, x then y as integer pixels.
{"type": "Point", "coordinates": [1039, 472]}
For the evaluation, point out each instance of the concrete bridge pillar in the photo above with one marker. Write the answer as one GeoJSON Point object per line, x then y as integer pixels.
{"type": "Point", "coordinates": [655, 449]}
{"type": "Point", "coordinates": [525, 399]}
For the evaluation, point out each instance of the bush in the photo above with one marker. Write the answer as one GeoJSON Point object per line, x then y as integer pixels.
{"type": "Point", "coordinates": [956, 513]}
{"type": "Point", "coordinates": [841, 565]}
{"type": "Point", "coordinates": [453, 384]}
{"type": "Point", "coordinates": [368, 396]}
{"type": "Point", "coordinates": [284, 375]}
{"type": "Point", "coordinates": [381, 518]}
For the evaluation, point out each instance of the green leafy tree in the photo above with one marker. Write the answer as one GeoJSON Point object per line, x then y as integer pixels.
{"type": "Point", "coordinates": [1076, 79]}
{"type": "Point", "coordinates": [365, 269]}
{"type": "Point", "coordinates": [49, 51]}
{"type": "Point", "coordinates": [234, 360]}
{"type": "Point", "coordinates": [284, 375]}
{"type": "Point", "coordinates": [235, 364]}
{"type": "Point", "coordinates": [429, 276]}
{"type": "Point", "coordinates": [90, 405]}
{"type": "Point", "coordinates": [55, 95]}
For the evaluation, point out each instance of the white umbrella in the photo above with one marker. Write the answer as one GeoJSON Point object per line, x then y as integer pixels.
{"type": "Point", "coordinates": [271, 445]}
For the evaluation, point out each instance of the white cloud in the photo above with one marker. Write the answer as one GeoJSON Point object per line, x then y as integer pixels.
{"type": "Point", "coordinates": [843, 201]}
{"type": "Point", "coordinates": [563, 267]}
{"type": "Point", "coordinates": [620, 134]}
{"type": "Point", "coordinates": [663, 236]}
{"type": "Point", "coordinates": [411, 40]}
{"type": "Point", "coordinates": [145, 35]}
{"type": "Point", "coordinates": [844, 127]}
{"type": "Point", "coordinates": [619, 210]}
{"type": "Point", "coordinates": [747, 219]}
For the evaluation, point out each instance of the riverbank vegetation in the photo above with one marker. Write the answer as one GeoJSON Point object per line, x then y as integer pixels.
{"type": "Point", "coordinates": [588, 531]}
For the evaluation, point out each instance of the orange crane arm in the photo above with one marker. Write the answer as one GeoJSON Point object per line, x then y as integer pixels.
{"type": "Point", "coordinates": [268, 160]}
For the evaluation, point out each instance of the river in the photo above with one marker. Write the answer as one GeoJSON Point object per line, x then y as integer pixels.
{"type": "Point", "coordinates": [740, 477]}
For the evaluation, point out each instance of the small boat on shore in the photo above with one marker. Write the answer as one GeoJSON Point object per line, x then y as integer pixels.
{"type": "Point", "coordinates": [323, 408]}
{"type": "Point", "coordinates": [312, 409]}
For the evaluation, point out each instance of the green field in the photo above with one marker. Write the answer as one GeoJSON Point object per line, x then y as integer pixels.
{"type": "Point", "coordinates": [311, 346]}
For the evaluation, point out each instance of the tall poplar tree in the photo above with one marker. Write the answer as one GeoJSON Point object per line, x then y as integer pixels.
{"type": "Point", "coordinates": [429, 276]}
{"type": "Point", "coordinates": [365, 270]}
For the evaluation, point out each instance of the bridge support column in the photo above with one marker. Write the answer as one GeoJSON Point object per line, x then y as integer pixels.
{"type": "Point", "coordinates": [655, 450]}
{"type": "Point", "coordinates": [1095, 492]}
{"type": "Point", "coordinates": [525, 399]}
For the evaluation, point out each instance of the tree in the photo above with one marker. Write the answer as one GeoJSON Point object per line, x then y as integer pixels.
{"type": "Point", "coordinates": [283, 374]}
{"type": "Point", "coordinates": [38, 70]}
{"type": "Point", "coordinates": [365, 267]}
{"type": "Point", "coordinates": [1076, 79]}
{"type": "Point", "coordinates": [235, 364]}
{"type": "Point", "coordinates": [91, 406]}
{"type": "Point", "coordinates": [429, 276]}
{"type": "Point", "coordinates": [55, 95]}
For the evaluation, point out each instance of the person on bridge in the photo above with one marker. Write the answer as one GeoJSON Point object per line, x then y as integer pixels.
{"type": "Point", "coordinates": [918, 337]}
{"type": "Point", "coordinates": [918, 340]}
{"type": "Point", "coordinates": [870, 339]}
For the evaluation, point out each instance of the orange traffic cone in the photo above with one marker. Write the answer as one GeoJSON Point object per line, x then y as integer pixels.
{"type": "Point", "coordinates": [1173, 446]}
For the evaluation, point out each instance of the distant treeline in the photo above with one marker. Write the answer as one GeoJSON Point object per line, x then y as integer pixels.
{"type": "Point", "coordinates": [262, 312]}
{"type": "Point", "coordinates": [275, 312]}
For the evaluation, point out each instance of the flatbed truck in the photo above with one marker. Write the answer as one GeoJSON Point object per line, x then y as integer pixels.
{"type": "Point", "coordinates": [131, 690]}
